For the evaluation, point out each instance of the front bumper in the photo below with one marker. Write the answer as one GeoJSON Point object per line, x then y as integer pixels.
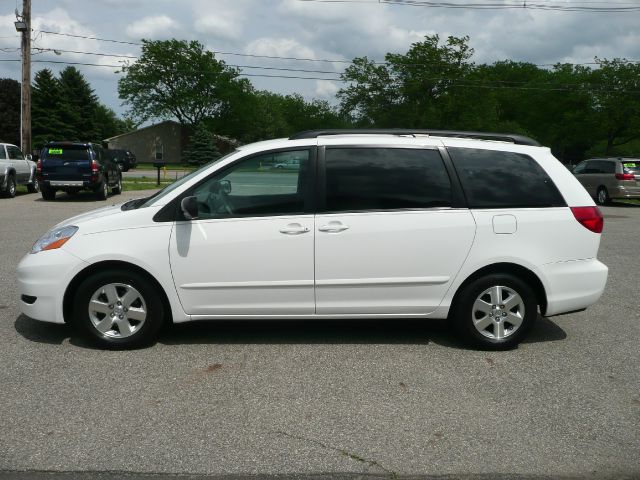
{"type": "Point", "coordinates": [45, 276]}
{"type": "Point", "coordinates": [573, 285]}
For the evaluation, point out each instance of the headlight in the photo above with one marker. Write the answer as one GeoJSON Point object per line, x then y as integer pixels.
{"type": "Point", "coordinates": [54, 238]}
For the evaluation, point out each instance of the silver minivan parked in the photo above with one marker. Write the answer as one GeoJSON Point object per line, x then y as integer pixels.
{"type": "Point", "coordinates": [607, 178]}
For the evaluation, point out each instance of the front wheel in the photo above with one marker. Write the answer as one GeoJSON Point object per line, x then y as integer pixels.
{"type": "Point", "coordinates": [118, 309]}
{"type": "Point", "coordinates": [117, 190]}
{"type": "Point", "coordinates": [494, 312]}
{"type": "Point", "coordinates": [34, 187]}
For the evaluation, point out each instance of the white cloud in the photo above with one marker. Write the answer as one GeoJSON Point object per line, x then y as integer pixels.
{"type": "Point", "coordinates": [154, 27]}
{"type": "Point", "coordinates": [326, 89]}
{"type": "Point", "coordinates": [279, 47]}
{"type": "Point", "coordinates": [218, 27]}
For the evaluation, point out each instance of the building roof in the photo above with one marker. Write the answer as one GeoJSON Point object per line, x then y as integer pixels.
{"type": "Point", "coordinates": [140, 129]}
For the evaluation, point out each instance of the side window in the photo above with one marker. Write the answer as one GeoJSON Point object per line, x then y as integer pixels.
{"type": "Point", "coordinates": [495, 179]}
{"type": "Point", "coordinates": [3, 154]}
{"type": "Point", "coordinates": [15, 153]}
{"type": "Point", "coordinates": [385, 179]}
{"type": "Point", "coordinates": [609, 167]}
{"type": "Point", "coordinates": [596, 166]}
{"type": "Point", "coordinates": [256, 187]}
{"type": "Point", "coordinates": [580, 168]}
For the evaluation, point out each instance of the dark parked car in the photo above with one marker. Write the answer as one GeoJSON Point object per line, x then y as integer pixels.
{"type": "Point", "coordinates": [75, 166]}
{"type": "Point", "coordinates": [126, 159]}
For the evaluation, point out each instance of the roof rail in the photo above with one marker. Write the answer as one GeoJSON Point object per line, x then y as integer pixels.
{"type": "Point", "coordinates": [502, 137]}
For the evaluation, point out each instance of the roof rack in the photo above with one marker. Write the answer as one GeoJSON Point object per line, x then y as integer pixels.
{"type": "Point", "coordinates": [501, 137]}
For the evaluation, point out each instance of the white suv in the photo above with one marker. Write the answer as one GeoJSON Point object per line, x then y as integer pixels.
{"type": "Point", "coordinates": [484, 229]}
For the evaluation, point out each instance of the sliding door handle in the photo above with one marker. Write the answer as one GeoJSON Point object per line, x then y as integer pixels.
{"type": "Point", "coordinates": [333, 227]}
{"type": "Point", "coordinates": [294, 229]}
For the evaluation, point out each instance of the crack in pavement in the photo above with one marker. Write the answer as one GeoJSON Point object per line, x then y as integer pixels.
{"type": "Point", "coordinates": [341, 451]}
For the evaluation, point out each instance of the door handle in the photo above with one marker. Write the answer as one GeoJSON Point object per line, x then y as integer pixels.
{"type": "Point", "coordinates": [294, 229]}
{"type": "Point", "coordinates": [333, 227]}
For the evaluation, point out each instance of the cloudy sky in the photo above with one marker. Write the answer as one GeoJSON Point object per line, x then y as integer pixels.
{"type": "Point", "coordinates": [317, 30]}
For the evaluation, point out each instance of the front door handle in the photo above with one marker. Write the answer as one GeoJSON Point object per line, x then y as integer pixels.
{"type": "Point", "coordinates": [294, 229]}
{"type": "Point", "coordinates": [333, 227]}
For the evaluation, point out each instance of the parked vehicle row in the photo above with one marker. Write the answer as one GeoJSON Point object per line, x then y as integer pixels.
{"type": "Point", "coordinates": [486, 230]}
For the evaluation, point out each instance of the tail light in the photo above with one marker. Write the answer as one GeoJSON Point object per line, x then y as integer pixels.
{"type": "Point", "coordinates": [589, 217]}
{"type": "Point", "coordinates": [94, 166]}
{"type": "Point", "coordinates": [625, 176]}
{"type": "Point", "coordinates": [39, 167]}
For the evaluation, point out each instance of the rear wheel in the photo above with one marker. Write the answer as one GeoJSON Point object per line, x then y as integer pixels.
{"type": "Point", "coordinates": [495, 312]}
{"type": "Point", "coordinates": [10, 190]}
{"type": "Point", "coordinates": [602, 197]}
{"type": "Point", "coordinates": [102, 192]}
{"type": "Point", "coordinates": [118, 309]}
{"type": "Point", "coordinates": [47, 193]}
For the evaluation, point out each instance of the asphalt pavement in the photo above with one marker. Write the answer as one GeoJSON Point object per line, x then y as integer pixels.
{"type": "Point", "coordinates": [339, 399]}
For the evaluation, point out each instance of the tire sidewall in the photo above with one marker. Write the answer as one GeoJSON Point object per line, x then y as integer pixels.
{"type": "Point", "coordinates": [606, 196]}
{"type": "Point", "coordinates": [11, 186]}
{"type": "Point", "coordinates": [462, 311]}
{"type": "Point", "coordinates": [155, 309]}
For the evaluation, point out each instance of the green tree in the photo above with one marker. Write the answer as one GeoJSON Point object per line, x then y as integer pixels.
{"type": "Point", "coordinates": [46, 109]}
{"type": "Point", "coordinates": [408, 90]}
{"type": "Point", "coordinates": [78, 106]}
{"type": "Point", "coordinates": [176, 78]}
{"type": "Point", "coordinates": [10, 111]}
{"type": "Point", "coordinates": [202, 146]}
{"type": "Point", "coordinates": [617, 101]}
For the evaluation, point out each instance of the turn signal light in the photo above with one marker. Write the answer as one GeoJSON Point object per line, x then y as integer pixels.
{"type": "Point", "coordinates": [589, 217]}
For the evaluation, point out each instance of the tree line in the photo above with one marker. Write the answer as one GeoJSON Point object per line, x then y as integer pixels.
{"type": "Point", "coordinates": [577, 110]}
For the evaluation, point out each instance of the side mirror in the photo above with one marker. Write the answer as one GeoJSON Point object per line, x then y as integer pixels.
{"type": "Point", "coordinates": [28, 156]}
{"type": "Point", "coordinates": [189, 207]}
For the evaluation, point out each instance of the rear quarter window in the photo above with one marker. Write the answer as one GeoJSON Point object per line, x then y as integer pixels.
{"type": "Point", "coordinates": [499, 179]}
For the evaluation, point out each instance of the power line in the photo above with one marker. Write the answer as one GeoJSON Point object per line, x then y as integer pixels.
{"type": "Point", "coordinates": [451, 82]}
{"type": "Point", "coordinates": [522, 5]}
{"type": "Point", "coordinates": [301, 59]}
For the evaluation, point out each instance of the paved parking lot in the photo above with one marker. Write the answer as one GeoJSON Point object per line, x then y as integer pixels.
{"type": "Point", "coordinates": [383, 399]}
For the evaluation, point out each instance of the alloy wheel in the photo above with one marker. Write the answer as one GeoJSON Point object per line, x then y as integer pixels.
{"type": "Point", "coordinates": [117, 310]}
{"type": "Point", "coordinates": [498, 312]}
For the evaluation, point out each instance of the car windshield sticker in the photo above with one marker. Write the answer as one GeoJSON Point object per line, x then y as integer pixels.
{"type": "Point", "coordinates": [55, 151]}
{"type": "Point", "coordinates": [629, 165]}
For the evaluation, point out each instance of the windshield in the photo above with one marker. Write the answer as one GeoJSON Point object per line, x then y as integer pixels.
{"type": "Point", "coordinates": [145, 202]}
{"type": "Point", "coordinates": [65, 152]}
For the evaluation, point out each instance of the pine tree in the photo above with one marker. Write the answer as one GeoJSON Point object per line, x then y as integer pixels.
{"type": "Point", "coordinates": [202, 147]}
{"type": "Point", "coordinates": [9, 111]}
{"type": "Point", "coordinates": [46, 110]}
{"type": "Point", "coordinates": [79, 105]}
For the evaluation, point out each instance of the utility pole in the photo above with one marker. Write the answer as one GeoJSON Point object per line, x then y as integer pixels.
{"type": "Point", "coordinates": [25, 97]}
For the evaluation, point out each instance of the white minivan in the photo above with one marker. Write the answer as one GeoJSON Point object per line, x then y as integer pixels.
{"type": "Point", "coordinates": [486, 230]}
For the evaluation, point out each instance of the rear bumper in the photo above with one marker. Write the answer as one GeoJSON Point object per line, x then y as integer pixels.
{"type": "Point", "coordinates": [625, 192]}
{"type": "Point", "coordinates": [573, 285]}
{"type": "Point", "coordinates": [62, 184]}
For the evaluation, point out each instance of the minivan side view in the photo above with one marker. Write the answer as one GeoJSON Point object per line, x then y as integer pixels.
{"type": "Point", "coordinates": [609, 178]}
{"type": "Point", "coordinates": [485, 230]}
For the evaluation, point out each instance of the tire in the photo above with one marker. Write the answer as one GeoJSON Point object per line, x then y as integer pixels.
{"type": "Point", "coordinates": [117, 190]}
{"type": "Point", "coordinates": [99, 318]}
{"type": "Point", "coordinates": [102, 192]}
{"type": "Point", "coordinates": [34, 187]}
{"type": "Point", "coordinates": [602, 197]}
{"type": "Point", "coordinates": [47, 193]}
{"type": "Point", "coordinates": [10, 190]}
{"type": "Point", "coordinates": [473, 309]}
